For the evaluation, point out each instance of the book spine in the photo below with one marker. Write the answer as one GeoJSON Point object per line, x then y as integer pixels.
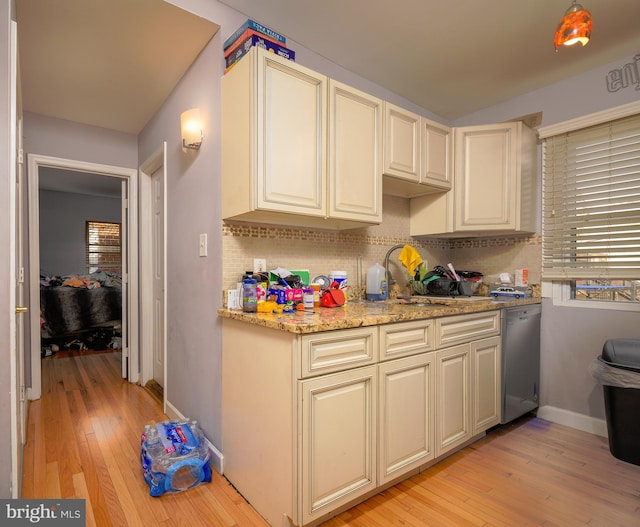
{"type": "Point", "coordinates": [258, 41]}
{"type": "Point", "coordinates": [247, 33]}
{"type": "Point", "coordinates": [251, 24]}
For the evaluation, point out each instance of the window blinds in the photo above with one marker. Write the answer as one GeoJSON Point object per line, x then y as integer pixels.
{"type": "Point", "coordinates": [591, 202]}
{"type": "Point", "coordinates": [103, 246]}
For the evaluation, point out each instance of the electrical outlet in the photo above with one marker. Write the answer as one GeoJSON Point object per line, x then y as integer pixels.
{"type": "Point", "coordinates": [259, 265]}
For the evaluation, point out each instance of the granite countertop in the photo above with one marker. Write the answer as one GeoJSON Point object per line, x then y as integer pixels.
{"type": "Point", "coordinates": [355, 314]}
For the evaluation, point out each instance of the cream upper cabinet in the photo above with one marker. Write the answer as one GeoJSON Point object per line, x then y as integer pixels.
{"type": "Point", "coordinates": [417, 154]}
{"type": "Point", "coordinates": [401, 143]}
{"type": "Point", "coordinates": [436, 152]}
{"type": "Point", "coordinates": [355, 154]}
{"type": "Point", "coordinates": [494, 185]}
{"type": "Point", "coordinates": [276, 166]}
{"type": "Point", "coordinates": [493, 189]}
{"type": "Point", "coordinates": [273, 139]}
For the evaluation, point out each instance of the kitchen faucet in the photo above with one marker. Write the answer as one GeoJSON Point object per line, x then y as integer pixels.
{"type": "Point", "coordinates": [387, 275]}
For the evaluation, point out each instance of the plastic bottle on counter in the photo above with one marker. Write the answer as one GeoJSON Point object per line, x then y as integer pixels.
{"type": "Point", "coordinates": [307, 298]}
{"type": "Point", "coordinates": [376, 283]}
{"type": "Point", "coordinates": [338, 276]}
{"type": "Point", "coordinates": [249, 295]}
{"type": "Point", "coordinates": [316, 295]}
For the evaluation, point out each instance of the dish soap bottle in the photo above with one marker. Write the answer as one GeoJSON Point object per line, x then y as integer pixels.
{"type": "Point", "coordinates": [376, 283]}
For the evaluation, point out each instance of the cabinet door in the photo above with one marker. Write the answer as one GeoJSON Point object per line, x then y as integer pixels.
{"type": "Point", "coordinates": [486, 383]}
{"type": "Point", "coordinates": [486, 177]}
{"type": "Point", "coordinates": [406, 388]}
{"type": "Point", "coordinates": [291, 132]}
{"type": "Point", "coordinates": [338, 439]}
{"type": "Point", "coordinates": [401, 143]}
{"type": "Point", "coordinates": [453, 397]}
{"type": "Point", "coordinates": [355, 154]}
{"type": "Point", "coordinates": [436, 154]}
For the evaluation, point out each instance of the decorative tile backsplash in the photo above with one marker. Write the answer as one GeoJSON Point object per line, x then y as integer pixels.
{"type": "Point", "coordinates": [322, 251]}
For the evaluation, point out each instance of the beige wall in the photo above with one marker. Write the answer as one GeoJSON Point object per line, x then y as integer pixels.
{"type": "Point", "coordinates": [321, 251]}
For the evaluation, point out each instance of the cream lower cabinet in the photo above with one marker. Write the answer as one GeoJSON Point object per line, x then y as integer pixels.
{"type": "Point", "coordinates": [467, 365]}
{"type": "Point", "coordinates": [407, 415]}
{"type": "Point", "coordinates": [453, 396]}
{"type": "Point", "coordinates": [338, 444]}
{"type": "Point", "coordinates": [406, 395]}
{"type": "Point", "coordinates": [313, 423]}
{"type": "Point", "coordinates": [486, 361]}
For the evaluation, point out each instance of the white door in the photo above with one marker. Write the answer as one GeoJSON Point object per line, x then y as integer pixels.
{"type": "Point", "coordinates": [153, 264]}
{"type": "Point", "coordinates": [16, 276]}
{"type": "Point", "coordinates": [158, 291]}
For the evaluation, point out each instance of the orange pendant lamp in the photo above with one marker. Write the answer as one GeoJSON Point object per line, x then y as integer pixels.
{"type": "Point", "coordinates": [574, 27]}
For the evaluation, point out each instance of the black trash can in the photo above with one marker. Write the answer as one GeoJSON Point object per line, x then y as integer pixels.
{"type": "Point", "coordinates": [621, 361]}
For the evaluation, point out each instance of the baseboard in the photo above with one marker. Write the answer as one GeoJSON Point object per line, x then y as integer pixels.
{"type": "Point", "coordinates": [216, 456]}
{"type": "Point", "coordinates": [582, 422]}
{"type": "Point", "coordinates": [217, 459]}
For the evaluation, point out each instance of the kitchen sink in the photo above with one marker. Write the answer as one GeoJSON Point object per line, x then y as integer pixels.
{"type": "Point", "coordinates": [449, 299]}
{"type": "Point", "coordinates": [417, 303]}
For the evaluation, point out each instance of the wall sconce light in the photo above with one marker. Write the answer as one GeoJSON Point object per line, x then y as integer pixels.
{"type": "Point", "coordinates": [574, 27]}
{"type": "Point", "coordinates": [191, 128]}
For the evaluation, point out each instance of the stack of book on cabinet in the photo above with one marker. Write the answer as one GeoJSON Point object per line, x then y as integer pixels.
{"type": "Point", "coordinates": [252, 34]}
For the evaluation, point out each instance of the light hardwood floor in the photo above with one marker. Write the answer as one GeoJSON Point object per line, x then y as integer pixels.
{"type": "Point", "coordinates": [83, 441]}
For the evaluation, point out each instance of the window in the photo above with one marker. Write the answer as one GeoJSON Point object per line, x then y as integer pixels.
{"type": "Point", "coordinates": [103, 246]}
{"type": "Point", "coordinates": [591, 211]}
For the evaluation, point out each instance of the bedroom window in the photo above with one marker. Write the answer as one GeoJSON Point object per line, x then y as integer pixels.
{"type": "Point", "coordinates": [590, 212]}
{"type": "Point", "coordinates": [103, 246]}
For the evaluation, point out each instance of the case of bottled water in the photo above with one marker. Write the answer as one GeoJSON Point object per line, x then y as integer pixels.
{"type": "Point", "coordinates": [174, 456]}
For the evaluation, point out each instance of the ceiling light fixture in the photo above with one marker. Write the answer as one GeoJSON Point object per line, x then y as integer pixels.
{"type": "Point", "coordinates": [574, 27]}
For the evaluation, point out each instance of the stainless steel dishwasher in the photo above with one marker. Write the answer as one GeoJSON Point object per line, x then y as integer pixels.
{"type": "Point", "coordinates": [520, 360]}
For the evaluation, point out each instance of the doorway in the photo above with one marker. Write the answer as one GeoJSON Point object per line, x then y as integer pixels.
{"type": "Point", "coordinates": [153, 264]}
{"type": "Point", "coordinates": [127, 178]}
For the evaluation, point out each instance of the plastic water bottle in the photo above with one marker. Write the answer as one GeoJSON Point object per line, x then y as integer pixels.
{"type": "Point", "coordinates": [376, 283]}
{"type": "Point", "coordinates": [250, 295]}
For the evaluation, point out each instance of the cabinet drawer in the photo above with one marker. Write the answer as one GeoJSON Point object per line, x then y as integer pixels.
{"type": "Point", "coordinates": [459, 329]}
{"type": "Point", "coordinates": [406, 338]}
{"type": "Point", "coordinates": [338, 350]}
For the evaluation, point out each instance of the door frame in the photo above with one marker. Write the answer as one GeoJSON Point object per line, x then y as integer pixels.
{"type": "Point", "coordinates": [130, 279]}
{"type": "Point", "coordinates": [154, 162]}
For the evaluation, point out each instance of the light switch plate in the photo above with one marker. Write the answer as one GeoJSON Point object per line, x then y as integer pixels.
{"type": "Point", "coordinates": [259, 265]}
{"type": "Point", "coordinates": [203, 245]}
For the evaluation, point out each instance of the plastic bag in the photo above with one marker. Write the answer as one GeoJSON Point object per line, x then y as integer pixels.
{"type": "Point", "coordinates": [614, 376]}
